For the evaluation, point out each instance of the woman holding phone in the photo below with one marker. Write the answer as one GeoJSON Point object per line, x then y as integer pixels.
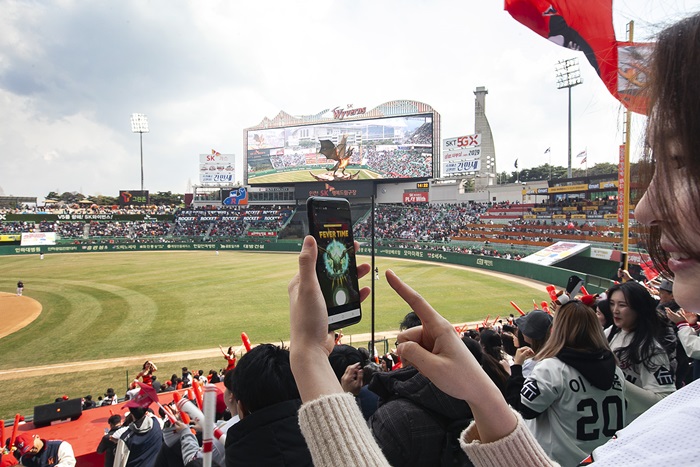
{"type": "Point", "coordinates": [331, 421]}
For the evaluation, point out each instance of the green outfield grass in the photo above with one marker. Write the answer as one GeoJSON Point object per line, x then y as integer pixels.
{"type": "Point", "coordinates": [304, 176]}
{"type": "Point", "coordinates": [103, 305]}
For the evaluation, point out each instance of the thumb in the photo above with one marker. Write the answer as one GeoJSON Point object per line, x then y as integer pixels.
{"type": "Point", "coordinates": [307, 258]}
{"type": "Point", "coordinates": [414, 353]}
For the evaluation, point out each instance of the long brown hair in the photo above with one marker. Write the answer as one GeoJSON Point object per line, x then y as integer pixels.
{"type": "Point", "coordinates": [576, 327]}
{"type": "Point", "coordinates": [673, 134]}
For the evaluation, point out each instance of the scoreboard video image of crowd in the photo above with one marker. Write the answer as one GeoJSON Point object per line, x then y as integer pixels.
{"type": "Point", "coordinates": [380, 148]}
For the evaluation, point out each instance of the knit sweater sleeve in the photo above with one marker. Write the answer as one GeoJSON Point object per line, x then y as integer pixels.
{"type": "Point", "coordinates": [337, 434]}
{"type": "Point", "coordinates": [517, 449]}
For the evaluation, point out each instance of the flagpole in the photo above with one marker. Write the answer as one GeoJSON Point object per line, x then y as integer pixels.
{"type": "Point", "coordinates": [626, 188]}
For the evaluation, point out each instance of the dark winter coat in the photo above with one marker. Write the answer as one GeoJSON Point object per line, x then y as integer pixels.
{"type": "Point", "coordinates": [269, 437]}
{"type": "Point", "coordinates": [413, 419]}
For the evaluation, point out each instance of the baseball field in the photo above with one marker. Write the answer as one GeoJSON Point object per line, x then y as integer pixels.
{"type": "Point", "coordinates": [86, 321]}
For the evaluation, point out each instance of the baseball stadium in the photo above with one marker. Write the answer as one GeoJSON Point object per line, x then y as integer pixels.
{"type": "Point", "coordinates": [105, 288]}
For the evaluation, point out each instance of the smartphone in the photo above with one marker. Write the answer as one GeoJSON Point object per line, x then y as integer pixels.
{"type": "Point", "coordinates": [623, 261]}
{"type": "Point", "coordinates": [573, 286]}
{"type": "Point", "coordinates": [331, 225]}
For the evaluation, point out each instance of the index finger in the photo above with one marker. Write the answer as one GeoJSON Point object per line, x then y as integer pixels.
{"type": "Point", "coordinates": [425, 312]}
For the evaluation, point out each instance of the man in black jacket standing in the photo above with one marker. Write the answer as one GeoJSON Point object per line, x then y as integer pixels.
{"type": "Point", "coordinates": [268, 400]}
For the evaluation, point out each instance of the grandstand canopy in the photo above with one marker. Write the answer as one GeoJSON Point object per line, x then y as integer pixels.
{"type": "Point", "coordinates": [16, 201]}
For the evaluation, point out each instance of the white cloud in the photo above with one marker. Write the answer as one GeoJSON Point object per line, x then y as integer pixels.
{"type": "Point", "coordinates": [71, 73]}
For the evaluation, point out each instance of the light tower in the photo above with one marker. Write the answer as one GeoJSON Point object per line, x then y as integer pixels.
{"type": "Point", "coordinates": [568, 76]}
{"type": "Point", "coordinates": [139, 124]}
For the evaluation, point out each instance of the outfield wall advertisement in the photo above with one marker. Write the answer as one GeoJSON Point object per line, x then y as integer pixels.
{"type": "Point", "coordinates": [86, 217]}
{"type": "Point", "coordinates": [544, 274]}
{"type": "Point", "coordinates": [38, 238]}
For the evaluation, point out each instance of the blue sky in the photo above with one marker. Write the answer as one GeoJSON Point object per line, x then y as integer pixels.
{"type": "Point", "coordinates": [72, 72]}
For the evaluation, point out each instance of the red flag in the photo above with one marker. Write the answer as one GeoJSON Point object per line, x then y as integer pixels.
{"type": "Point", "coordinates": [144, 397]}
{"type": "Point", "coordinates": [649, 272]}
{"type": "Point", "coordinates": [587, 25]}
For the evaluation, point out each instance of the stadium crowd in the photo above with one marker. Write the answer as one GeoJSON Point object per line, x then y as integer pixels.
{"type": "Point", "coordinates": [396, 414]}
{"type": "Point", "coordinates": [399, 163]}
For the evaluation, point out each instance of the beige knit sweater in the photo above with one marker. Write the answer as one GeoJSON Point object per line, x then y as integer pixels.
{"type": "Point", "coordinates": [337, 435]}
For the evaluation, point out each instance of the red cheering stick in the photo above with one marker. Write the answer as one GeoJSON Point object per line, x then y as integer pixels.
{"type": "Point", "coordinates": [2, 434]}
{"type": "Point", "coordinates": [495, 320]}
{"type": "Point", "coordinates": [183, 415]}
{"type": "Point", "coordinates": [584, 291]}
{"type": "Point", "coordinates": [190, 396]}
{"type": "Point", "coordinates": [486, 321]}
{"type": "Point", "coordinates": [534, 303]}
{"type": "Point", "coordinates": [545, 307]}
{"type": "Point", "coordinates": [198, 394]}
{"type": "Point", "coordinates": [185, 418]}
{"type": "Point", "coordinates": [169, 413]}
{"type": "Point", "coordinates": [15, 427]}
{"type": "Point", "coordinates": [246, 341]}
{"type": "Point", "coordinates": [522, 313]}
{"type": "Point", "coordinates": [552, 293]}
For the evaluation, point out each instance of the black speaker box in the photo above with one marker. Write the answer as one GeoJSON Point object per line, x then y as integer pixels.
{"type": "Point", "coordinates": [64, 410]}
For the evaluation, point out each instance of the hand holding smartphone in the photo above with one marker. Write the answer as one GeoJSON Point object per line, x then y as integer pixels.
{"type": "Point", "coordinates": [330, 224]}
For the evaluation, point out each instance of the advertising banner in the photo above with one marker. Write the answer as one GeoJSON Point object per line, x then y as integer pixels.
{"type": "Point", "coordinates": [621, 185]}
{"type": "Point", "coordinates": [133, 198]}
{"type": "Point", "coordinates": [415, 197]}
{"type": "Point", "coordinates": [336, 189]}
{"type": "Point", "coordinates": [234, 196]}
{"type": "Point", "coordinates": [461, 154]}
{"type": "Point", "coordinates": [216, 168]}
{"type": "Point", "coordinates": [88, 217]}
{"type": "Point", "coordinates": [555, 253]}
{"type": "Point", "coordinates": [38, 238]}
{"type": "Point", "coordinates": [602, 253]}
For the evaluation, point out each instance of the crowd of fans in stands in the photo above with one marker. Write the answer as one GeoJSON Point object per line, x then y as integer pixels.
{"type": "Point", "coordinates": [421, 226]}
{"type": "Point", "coordinates": [399, 163]}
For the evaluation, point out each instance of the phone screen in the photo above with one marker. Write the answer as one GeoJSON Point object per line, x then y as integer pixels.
{"type": "Point", "coordinates": [331, 225]}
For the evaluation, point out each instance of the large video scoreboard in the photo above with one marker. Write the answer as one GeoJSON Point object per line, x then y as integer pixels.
{"type": "Point", "coordinates": [394, 141]}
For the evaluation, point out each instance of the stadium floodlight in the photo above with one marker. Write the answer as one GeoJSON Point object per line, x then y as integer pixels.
{"type": "Point", "coordinates": [139, 124]}
{"type": "Point", "coordinates": [568, 76]}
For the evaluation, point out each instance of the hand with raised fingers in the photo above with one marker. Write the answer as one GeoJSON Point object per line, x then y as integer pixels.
{"type": "Point", "coordinates": [310, 340]}
{"type": "Point", "coordinates": [439, 354]}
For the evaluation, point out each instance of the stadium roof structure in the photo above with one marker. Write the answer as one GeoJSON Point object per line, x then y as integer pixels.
{"type": "Point", "coordinates": [13, 201]}
{"type": "Point", "coordinates": [388, 109]}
